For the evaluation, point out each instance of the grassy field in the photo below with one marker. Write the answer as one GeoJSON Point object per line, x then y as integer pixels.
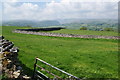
{"type": "Point", "coordinates": [91, 58]}
{"type": "Point", "coordinates": [86, 32]}
{"type": "Point", "coordinates": [0, 30]}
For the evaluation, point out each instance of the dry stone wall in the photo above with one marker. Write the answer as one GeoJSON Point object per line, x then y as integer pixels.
{"type": "Point", "coordinates": [67, 35]}
{"type": "Point", "coordinates": [10, 66]}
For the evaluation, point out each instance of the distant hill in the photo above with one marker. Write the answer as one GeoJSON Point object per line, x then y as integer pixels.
{"type": "Point", "coordinates": [64, 21]}
{"type": "Point", "coordinates": [91, 24]}
{"type": "Point", "coordinates": [49, 23]}
{"type": "Point", "coordinates": [32, 23]}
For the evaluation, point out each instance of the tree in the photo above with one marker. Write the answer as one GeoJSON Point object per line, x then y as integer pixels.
{"type": "Point", "coordinates": [108, 29]}
{"type": "Point", "coordinates": [28, 26]}
{"type": "Point", "coordinates": [83, 28]}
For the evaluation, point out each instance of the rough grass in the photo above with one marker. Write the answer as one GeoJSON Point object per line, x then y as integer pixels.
{"type": "Point", "coordinates": [86, 32]}
{"type": "Point", "coordinates": [0, 30]}
{"type": "Point", "coordinates": [90, 58]}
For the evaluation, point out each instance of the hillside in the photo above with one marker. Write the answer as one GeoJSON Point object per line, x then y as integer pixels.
{"type": "Point", "coordinates": [31, 23]}
{"type": "Point", "coordinates": [91, 24]}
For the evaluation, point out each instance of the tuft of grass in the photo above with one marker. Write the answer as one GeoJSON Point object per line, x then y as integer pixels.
{"type": "Point", "coordinates": [90, 58]}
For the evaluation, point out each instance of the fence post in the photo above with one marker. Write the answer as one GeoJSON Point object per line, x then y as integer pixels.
{"type": "Point", "coordinates": [34, 68]}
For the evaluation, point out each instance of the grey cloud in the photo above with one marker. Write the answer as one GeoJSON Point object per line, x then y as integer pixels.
{"type": "Point", "coordinates": [61, 10]}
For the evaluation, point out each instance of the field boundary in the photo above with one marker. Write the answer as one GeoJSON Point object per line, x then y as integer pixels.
{"type": "Point", "coordinates": [66, 35]}
{"type": "Point", "coordinates": [37, 74]}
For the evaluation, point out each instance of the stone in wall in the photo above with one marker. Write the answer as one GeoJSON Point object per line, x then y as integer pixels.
{"type": "Point", "coordinates": [10, 66]}
{"type": "Point", "coordinates": [67, 35]}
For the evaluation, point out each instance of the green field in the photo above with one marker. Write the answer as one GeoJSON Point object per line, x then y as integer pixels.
{"type": "Point", "coordinates": [0, 30]}
{"type": "Point", "coordinates": [90, 58]}
{"type": "Point", "coordinates": [86, 32]}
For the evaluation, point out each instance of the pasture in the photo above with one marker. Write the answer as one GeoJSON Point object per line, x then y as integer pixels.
{"type": "Point", "coordinates": [86, 32]}
{"type": "Point", "coordinates": [90, 58]}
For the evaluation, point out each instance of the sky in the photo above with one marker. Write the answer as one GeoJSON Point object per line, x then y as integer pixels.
{"type": "Point", "coordinates": [58, 9]}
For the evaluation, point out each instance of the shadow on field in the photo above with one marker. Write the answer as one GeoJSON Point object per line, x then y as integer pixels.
{"type": "Point", "coordinates": [26, 70]}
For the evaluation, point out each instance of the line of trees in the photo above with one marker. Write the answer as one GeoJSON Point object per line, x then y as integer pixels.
{"type": "Point", "coordinates": [98, 29]}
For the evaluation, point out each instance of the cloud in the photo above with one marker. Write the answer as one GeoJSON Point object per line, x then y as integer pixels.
{"type": "Point", "coordinates": [10, 1]}
{"type": "Point", "coordinates": [0, 13]}
{"type": "Point", "coordinates": [65, 9]}
{"type": "Point", "coordinates": [29, 6]}
{"type": "Point", "coordinates": [60, 0]}
{"type": "Point", "coordinates": [24, 11]}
